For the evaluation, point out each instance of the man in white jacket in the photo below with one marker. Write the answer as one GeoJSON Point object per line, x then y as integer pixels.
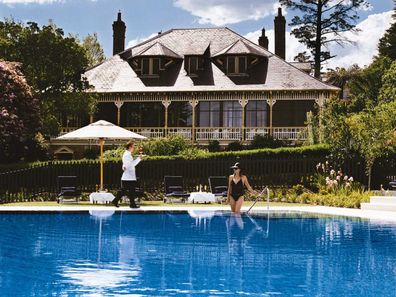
{"type": "Point", "coordinates": [128, 179]}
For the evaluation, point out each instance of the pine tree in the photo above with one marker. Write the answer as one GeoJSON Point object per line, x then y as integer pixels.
{"type": "Point", "coordinates": [322, 22]}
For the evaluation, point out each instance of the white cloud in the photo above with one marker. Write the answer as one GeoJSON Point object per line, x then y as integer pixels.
{"type": "Point", "coordinates": [365, 42]}
{"type": "Point", "coordinates": [361, 51]}
{"type": "Point", "coordinates": [139, 39]}
{"type": "Point", "coordinates": [10, 2]}
{"type": "Point", "coordinates": [221, 12]}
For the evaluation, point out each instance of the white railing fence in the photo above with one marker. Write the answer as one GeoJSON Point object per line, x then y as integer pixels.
{"type": "Point", "coordinates": [216, 133]}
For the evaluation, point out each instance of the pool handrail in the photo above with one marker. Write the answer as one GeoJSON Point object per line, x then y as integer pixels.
{"type": "Point", "coordinates": [258, 197]}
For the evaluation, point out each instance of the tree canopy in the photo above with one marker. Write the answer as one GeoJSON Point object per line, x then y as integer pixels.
{"type": "Point", "coordinates": [387, 44]}
{"type": "Point", "coordinates": [19, 113]}
{"type": "Point", "coordinates": [321, 23]}
{"type": "Point", "coordinates": [53, 64]}
{"type": "Point", "coordinates": [93, 49]}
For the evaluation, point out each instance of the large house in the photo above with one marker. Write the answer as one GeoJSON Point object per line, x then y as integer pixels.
{"type": "Point", "coordinates": [206, 84]}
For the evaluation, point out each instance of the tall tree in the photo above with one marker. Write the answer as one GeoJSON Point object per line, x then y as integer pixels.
{"type": "Point", "coordinates": [93, 49]}
{"type": "Point", "coordinates": [387, 44]}
{"type": "Point", "coordinates": [341, 76]}
{"type": "Point", "coordinates": [52, 64]}
{"type": "Point", "coordinates": [322, 22]}
{"type": "Point", "coordinates": [373, 133]}
{"type": "Point", "coordinates": [19, 113]}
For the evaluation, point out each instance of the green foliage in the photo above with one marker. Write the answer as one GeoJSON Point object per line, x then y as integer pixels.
{"type": "Point", "coordinates": [52, 64]}
{"type": "Point", "coordinates": [235, 146]}
{"type": "Point", "coordinates": [214, 146]}
{"type": "Point", "coordinates": [19, 115]}
{"type": "Point", "coordinates": [387, 44]}
{"type": "Point", "coordinates": [388, 89]}
{"type": "Point", "coordinates": [351, 200]}
{"type": "Point", "coordinates": [93, 50]}
{"type": "Point", "coordinates": [298, 194]}
{"type": "Point", "coordinates": [336, 130]}
{"type": "Point", "coordinates": [113, 154]}
{"type": "Point", "coordinates": [317, 24]}
{"type": "Point", "coordinates": [366, 85]}
{"type": "Point", "coordinates": [341, 76]}
{"type": "Point", "coordinates": [373, 132]}
{"type": "Point", "coordinates": [265, 141]}
{"type": "Point", "coordinates": [192, 152]}
{"type": "Point", "coordinates": [169, 146]}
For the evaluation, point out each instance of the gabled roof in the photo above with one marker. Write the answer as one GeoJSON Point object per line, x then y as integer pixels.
{"type": "Point", "coordinates": [116, 75]}
{"type": "Point", "coordinates": [239, 47]}
{"type": "Point", "coordinates": [157, 49]}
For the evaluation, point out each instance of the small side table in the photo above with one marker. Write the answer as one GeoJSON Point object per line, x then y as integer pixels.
{"type": "Point", "coordinates": [103, 197]}
{"type": "Point", "coordinates": [201, 197]}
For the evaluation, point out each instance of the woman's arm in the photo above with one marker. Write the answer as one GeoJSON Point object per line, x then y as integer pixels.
{"type": "Point", "coordinates": [247, 185]}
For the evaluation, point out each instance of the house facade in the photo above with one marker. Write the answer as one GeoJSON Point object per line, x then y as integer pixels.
{"type": "Point", "coordinates": [206, 84]}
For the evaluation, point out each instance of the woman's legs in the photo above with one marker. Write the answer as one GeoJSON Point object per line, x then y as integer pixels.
{"type": "Point", "coordinates": [232, 204]}
{"type": "Point", "coordinates": [236, 205]}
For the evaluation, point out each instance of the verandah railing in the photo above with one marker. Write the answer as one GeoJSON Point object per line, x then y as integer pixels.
{"type": "Point", "coordinates": [217, 133]}
{"type": "Point", "coordinates": [40, 181]}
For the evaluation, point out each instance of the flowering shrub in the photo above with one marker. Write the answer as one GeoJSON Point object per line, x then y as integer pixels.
{"type": "Point", "coordinates": [328, 180]}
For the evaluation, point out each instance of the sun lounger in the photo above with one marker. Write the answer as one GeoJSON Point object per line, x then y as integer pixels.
{"type": "Point", "coordinates": [392, 185]}
{"type": "Point", "coordinates": [174, 189]}
{"type": "Point", "coordinates": [218, 186]}
{"type": "Point", "coordinates": [67, 189]}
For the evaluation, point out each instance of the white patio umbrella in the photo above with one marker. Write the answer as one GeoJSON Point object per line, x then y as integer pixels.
{"type": "Point", "coordinates": [101, 130]}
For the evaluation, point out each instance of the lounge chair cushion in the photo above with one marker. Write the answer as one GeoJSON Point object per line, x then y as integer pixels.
{"type": "Point", "coordinates": [178, 194]}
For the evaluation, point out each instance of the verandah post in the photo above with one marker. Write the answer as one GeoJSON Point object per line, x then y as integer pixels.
{"type": "Point", "coordinates": [193, 102]}
{"type": "Point", "coordinates": [271, 103]}
{"type": "Point", "coordinates": [243, 102]}
{"type": "Point", "coordinates": [166, 102]}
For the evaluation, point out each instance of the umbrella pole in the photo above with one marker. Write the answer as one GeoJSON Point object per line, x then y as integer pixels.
{"type": "Point", "coordinates": [101, 141]}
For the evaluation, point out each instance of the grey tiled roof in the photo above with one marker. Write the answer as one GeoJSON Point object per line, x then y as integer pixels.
{"type": "Point", "coordinates": [239, 47]}
{"type": "Point", "coordinates": [116, 75]}
{"type": "Point", "coordinates": [157, 49]}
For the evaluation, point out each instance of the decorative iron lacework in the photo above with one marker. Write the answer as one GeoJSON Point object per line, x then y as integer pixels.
{"type": "Point", "coordinates": [212, 96]}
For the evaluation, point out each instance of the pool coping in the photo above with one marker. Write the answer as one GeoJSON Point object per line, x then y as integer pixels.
{"type": "Point", "coordinates": [374, 215]}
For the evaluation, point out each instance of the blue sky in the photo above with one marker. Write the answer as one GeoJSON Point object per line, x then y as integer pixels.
{"type": "Point", "coordinates": [145, 17]}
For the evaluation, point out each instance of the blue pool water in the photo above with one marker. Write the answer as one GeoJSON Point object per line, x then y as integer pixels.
{"type": "Point", "coordinates": [211, 254]}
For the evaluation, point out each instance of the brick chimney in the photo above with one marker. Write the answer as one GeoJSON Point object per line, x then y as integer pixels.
{"type": "Point", "coordinates": [280, 34]}
{"type": "Point", "coordinates": [263, 40]}
{"type": "Point", "coordinates": [118, 35]}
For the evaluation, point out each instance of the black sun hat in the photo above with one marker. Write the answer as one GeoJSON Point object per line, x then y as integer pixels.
{"type": "Point", "coordinates": [236, 166]}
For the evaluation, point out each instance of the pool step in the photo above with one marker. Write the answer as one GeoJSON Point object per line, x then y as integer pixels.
{"type": "Point", "coordinates": [386, 203]}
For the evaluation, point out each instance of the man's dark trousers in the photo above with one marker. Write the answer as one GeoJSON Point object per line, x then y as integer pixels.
{"type": "Point", "coordinates": [128, 188]}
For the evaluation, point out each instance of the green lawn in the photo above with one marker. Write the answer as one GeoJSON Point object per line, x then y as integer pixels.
{"type": "Point", "coordinates": [144, 203]}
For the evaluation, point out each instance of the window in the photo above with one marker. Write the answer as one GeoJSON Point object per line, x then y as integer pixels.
{"type": "Point", "coordinates": [150, 66]}
{"type": "Point", "coordinates": [194, 64]}
{"type": "Point", "coordinates": [236, 65]}
{"type": "Point", "coordinates": [256, 114]}
{"type": "Point", "coordinates": [180, 114]}
{"type": "Point", "coordinates": [232, 114]}
{"type": "Point", "coordinates": [209, 114]}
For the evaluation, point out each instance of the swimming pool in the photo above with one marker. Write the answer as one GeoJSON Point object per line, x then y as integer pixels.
{"type": "Point", "coordinates": [196, 254]}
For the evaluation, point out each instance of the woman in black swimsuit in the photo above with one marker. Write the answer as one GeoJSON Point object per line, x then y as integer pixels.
{"type": "Point", "coordinates": [236, 188]}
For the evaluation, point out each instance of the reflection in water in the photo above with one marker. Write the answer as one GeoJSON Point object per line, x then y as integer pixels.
{"type": "Point", "coordinates": [88, 277]}
{"type": "Point", "coordinates": [196, 254]}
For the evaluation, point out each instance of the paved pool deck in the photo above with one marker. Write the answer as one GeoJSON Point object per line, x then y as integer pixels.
{"type": "Point", "coordinates": [372, 215]}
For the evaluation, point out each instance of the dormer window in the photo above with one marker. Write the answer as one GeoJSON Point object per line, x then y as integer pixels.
{"type": "Point", "coordinates": [236, 65]}
{"type": "Point", "coordinates": [150, 67]}
{"type": "Point", "coordinates": [194, 64]}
